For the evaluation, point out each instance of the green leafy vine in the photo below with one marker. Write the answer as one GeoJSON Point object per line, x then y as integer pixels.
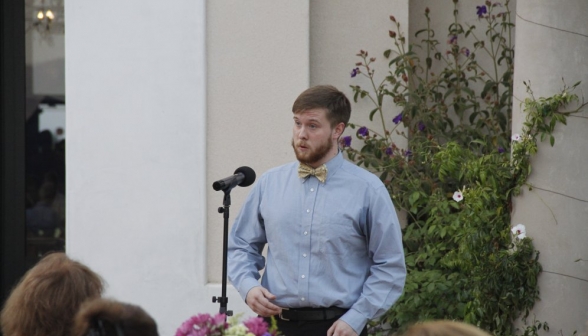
{"type": "Point", "coordinates": [456, 177]}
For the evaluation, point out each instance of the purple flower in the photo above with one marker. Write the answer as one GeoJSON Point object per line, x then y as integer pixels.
{"type": "Point", "coordinates": [501, 150]}
{"type": "Point", "coordinates": [481, 10]}
{"type": "Point", "coordinates": [452, 39]}
{"type": "Point", "coordinates": [354, 72]}
{"type": "Point", "coordinates": [421, 126]}
{"type": "Point", "coordinates": [346, 141]}
{"type": "Point", "coordinates": [465, 51]}
{"type": "Point", "coordinates": [389, 151]}
{"type": "Point", "coordinates": [408, 152]}
{"type": "Point", "coordinates": [397, 119]}
{"type": "Point", "coordinates": [363, 131]}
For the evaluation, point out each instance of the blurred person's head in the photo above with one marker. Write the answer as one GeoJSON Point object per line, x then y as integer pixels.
{"type": "Point", "coordinates": [112, 318]}
{"type": "Point", "coordinates": [444, 328]}
{"type": "Point", "coordinates": [48, 296]}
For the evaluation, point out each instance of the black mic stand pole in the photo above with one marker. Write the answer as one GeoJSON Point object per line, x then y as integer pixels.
{"type": "Point", "coordinates": [223, 300]}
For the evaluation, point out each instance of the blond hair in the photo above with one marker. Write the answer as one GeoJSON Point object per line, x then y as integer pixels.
{"type": "Point", "coordinates": [48, 296]}
{"type": "Point", "coordinates": [444, 328]}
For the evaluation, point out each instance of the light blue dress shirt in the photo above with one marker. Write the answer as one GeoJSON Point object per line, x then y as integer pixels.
{"type": "Point", "coordinates": [336, 244]}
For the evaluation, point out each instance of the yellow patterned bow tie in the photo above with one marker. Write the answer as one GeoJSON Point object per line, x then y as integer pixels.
{"type": "Point", "coordinates": [320, 173]}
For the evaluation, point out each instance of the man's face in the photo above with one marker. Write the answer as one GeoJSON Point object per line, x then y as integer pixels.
{"type": "Point", "coordinates": [313, 138]}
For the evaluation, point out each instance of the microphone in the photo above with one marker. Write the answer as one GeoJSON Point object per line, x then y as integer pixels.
{"type": "Point", "coordinates": [243, 177]}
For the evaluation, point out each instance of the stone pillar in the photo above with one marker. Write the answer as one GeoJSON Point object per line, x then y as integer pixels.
{"type": "Point", "coordinates": [551, 44]}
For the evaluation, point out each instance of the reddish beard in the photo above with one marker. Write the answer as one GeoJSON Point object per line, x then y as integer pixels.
{"type": "Point", "coordinates": [312, 155]}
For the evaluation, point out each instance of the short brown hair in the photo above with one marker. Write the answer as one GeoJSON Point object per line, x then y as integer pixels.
{"type": "Point", "coordinates": [327, 97]}
{"type": "Point", "coordinates": [444, 328]}
{"type": "Point", "coordinates": [47, 297]}
{"type": "Point", "coordinates": [109, 317]}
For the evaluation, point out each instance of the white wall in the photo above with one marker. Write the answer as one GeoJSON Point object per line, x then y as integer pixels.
{"type": "Point", "coordinates": [136, 171]}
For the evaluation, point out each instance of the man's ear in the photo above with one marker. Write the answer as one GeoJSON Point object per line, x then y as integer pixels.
{"type": "Point", "coordinates": [339, 130]}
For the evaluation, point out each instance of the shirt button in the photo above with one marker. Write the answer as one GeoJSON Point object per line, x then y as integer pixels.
{"type": "Point", "coordinates": [303, 276]}
{"type": "Point", "coordinates": [307, 210]}
{"type": "Point", "coordinates": [304, 255]}
{"type": "Point", "coordinates": [305, 233]}
{"type": "Point", "coordinates": [311, 189]}
{"type": "Point", "coordinates": [301, 299]}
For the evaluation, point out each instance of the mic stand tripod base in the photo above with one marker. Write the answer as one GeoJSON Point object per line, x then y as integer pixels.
{"type": "Point", "coordinates": [223, 302]}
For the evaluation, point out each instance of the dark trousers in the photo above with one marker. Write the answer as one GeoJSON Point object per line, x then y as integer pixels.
{"type": "Point", "coordinates": [305, 328]}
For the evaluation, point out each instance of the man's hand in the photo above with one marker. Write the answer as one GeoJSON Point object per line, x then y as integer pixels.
{"type": "Point", "coordinates": [340, 328]}
{"type": "Point", "coordinates": [258, 299]}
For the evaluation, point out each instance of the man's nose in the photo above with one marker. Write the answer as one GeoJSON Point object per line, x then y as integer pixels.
{"type": "Point", "coordinates": [302, 133]}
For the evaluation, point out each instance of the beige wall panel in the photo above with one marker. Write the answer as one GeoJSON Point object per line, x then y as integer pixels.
{"type": "Point", "coordinates": [552, 41]}
{"type": "Point", "coordinates": [257, 65]}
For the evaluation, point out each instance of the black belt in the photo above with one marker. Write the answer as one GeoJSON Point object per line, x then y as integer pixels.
{"type": "Point", "coordinates": [311, 314]}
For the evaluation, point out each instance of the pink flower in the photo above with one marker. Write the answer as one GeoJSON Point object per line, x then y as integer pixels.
{"type": "Point", "coordinates": [256, 325]}
{"type": "Point", "coordinates": [203, 325]}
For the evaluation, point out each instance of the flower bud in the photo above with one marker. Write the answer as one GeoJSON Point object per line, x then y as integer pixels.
{"type": "Point", "coordinates": [427, 10]}
{"type": "Point", "coordinates": [358, 63]}
{"type": "Point", "coordinates": [454, 1]}
{"type": "Point", "coordinates": [392, 18]}
{"type": "Point", "coordinates": [488, 3]}
{"type": "Point", "coordinates": [392, 34]}
{"type": "Point", "coordinates": [373, 59]}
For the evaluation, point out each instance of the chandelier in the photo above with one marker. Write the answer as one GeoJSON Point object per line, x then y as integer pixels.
{"type": "Point", "coordinates": [46, 17]}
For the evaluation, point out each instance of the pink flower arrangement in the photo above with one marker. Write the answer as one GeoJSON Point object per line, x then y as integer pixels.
{"type": "Point", "coordinates": [207, 325]}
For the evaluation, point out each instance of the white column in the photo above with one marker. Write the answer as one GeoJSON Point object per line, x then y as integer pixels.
{"type": "Point", "coordinates": [136, 135]}
{"type": "Point", "coordinates": [552, 43]}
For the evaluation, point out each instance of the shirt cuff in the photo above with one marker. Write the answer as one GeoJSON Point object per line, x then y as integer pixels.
{"type": "Point", "coordinates": [246, 286]}
{"type": "Point", "coordinates": [355, 319]}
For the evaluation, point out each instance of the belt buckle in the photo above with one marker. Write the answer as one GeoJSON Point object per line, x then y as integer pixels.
{"type": "Point", "coordinates": [281, 317]}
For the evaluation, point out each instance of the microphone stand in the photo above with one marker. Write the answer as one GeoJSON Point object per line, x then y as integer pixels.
{"type": "Point", "coordinates": [223, 299]}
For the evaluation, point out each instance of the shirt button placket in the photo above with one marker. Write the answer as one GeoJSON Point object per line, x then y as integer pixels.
{"type": "Point", "coordinates": [310, 197]}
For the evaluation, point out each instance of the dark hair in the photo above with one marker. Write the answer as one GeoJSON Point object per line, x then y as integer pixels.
{"type": "Point", "coordinates": [47, 297]}
{"type": "Point", "coordinates": [327, 97]}
{"type": "Point", "coordinates": [102, 317]}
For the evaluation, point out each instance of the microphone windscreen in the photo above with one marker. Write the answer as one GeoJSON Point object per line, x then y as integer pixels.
{"type": "Point", "coordinates": [249, 176]}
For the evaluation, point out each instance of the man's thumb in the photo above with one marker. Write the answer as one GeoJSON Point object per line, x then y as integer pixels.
{"type": "Point", "coordinates": [267, 294]}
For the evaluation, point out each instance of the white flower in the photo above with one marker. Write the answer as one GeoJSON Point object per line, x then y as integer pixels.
{"type": "Point", "coordinates": [519, 231]}
{"type": "Point", "coordinates": [457, 196]}
{"type": "Point", "coordinates": [516, 137]}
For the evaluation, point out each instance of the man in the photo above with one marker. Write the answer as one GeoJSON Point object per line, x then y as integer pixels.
{"type": "Point", "coordinates": [335, 256]}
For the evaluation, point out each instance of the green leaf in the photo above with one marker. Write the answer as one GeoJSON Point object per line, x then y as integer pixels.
{"type": "Point", "coordinates": [414, 197]}
{"type": "Point", "coordinates": [372, 112]}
